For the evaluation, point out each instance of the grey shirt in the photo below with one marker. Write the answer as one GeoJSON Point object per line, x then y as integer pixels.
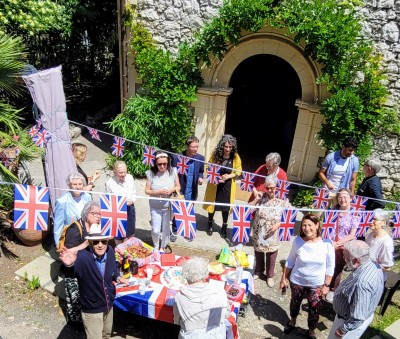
{"type": "Point", "coordinates": [357, 297]}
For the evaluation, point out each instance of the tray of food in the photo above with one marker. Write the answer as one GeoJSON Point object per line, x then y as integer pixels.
{"type": "Point", "coordinates": [172, 278]}
{"type": "Point", "coordinates": [156, 268]}
{"type": "Point", "coordinates": [234, 292]}
{"type": "Point", "coordinates": [216, 268]}
{"type": "Point", "coordinates": [143, 253]}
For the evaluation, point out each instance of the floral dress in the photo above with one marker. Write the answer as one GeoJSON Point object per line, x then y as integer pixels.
{"type": "Point", "coordinates": [263, 240]}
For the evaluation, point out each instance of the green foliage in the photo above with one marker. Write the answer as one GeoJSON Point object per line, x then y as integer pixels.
{"type": "Point", "coordinates": [32, 284]}
{"type": "Point", "coordinates": [31, 17]}
{"type": "Point", "coordinates": [328, 30]}
{"type": "Point", "coordinates": [304, 197]}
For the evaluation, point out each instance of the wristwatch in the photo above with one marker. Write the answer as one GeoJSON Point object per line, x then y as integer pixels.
{"type": "Point", "coordinates": [326, 285]}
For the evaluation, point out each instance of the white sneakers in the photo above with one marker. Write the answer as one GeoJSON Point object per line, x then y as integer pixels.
{"type": "Point", "coordinates": [270, 282]}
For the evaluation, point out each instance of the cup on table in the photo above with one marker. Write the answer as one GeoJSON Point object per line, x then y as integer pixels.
{"type": "Point", "coordinates": [142, 289]}
{"type": "Point", "coordinates": [149, 272]}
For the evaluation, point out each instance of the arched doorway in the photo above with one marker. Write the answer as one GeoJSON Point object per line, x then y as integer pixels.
{"type": "Point", "coordinates": [261, 111]}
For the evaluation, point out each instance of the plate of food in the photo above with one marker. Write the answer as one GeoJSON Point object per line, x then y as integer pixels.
{"type": "Point", "coordinates": [172, 278]}
{"type": "Point", "coordinates": [181, 260]}
{"type": "Point", "coordinates": [234, 292]}
{"type": "Point", "coordinates": [156, 268]}
{"type": "Point", "coordinates": [216, 267]}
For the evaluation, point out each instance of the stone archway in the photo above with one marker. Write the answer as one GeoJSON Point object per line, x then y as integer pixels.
{"type": "Point", "coordinates": [211, 107]}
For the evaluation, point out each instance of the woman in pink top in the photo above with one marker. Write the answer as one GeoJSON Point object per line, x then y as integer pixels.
{"type": "Point", "coordinates": [345, 230]}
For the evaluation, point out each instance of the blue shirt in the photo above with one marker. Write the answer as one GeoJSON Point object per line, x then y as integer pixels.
{"type": "Point", "coordinates": [100, 262]}
{"type": "Point", "coordinates": [189, 180]}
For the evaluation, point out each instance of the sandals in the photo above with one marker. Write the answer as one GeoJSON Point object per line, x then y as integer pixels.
{"type": "Point", "coordinates": [167, 249]}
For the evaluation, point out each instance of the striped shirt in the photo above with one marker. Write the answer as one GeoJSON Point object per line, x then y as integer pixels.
{"type": "Point", "coordinates": [357, 297]}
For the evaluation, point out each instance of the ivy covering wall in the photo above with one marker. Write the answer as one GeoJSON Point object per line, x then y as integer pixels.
{"type": "Point", "coordinates": [328, 31]}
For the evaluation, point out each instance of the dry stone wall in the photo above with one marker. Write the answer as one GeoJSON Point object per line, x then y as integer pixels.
{"type": "Point", "coordinates": [174, 21]}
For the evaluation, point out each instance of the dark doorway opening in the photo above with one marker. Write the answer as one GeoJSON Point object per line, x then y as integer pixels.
{"type": "Point", "coordinates": [261, 111]}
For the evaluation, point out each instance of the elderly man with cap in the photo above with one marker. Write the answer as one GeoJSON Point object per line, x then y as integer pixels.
{"type": "Point", "coordinates": [96, 270]}
{"type": "Point", "coordinates": [356, 297]}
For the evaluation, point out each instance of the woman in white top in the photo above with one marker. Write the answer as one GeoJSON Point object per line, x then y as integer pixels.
{"type": "Point", "coordinates": [123, 184]}
{"type": "Point", "coordinates": [380, 242]}
{"type": "Point", "coordinates": [162, 181]}
{"type": "Point", "coordinates": [309, 268]}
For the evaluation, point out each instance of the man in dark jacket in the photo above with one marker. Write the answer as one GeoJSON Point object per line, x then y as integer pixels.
{"type": "Point", "coordinates": [96, 270]}
{"type": "Point", "coordinates": [193, 177]}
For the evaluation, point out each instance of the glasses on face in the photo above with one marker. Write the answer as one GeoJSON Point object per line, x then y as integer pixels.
{"type": "Point", "coordinates": [162, 164]}
{"type": "Point", "coordinates": [270, 188]}
{"type": "Point", "coordinates": [96, 214]}
{"type": "Point", "coordinates": [96, 242]}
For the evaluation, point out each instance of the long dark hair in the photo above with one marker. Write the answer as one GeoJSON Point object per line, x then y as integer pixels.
{"type": "Point", "coordinates": [154, 168]}
{"type": "Point", "coordinates": [313, 218]}
{"type": "Point", "coordinates": [218, 154]}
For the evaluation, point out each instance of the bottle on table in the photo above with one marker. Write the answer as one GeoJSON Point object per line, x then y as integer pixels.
{"type": "Point", "coordinates": [134, 265]}
{"type": "Point", "coordinates": [117, 260]}
{"type": "Point", "coordinates": [126, 266]}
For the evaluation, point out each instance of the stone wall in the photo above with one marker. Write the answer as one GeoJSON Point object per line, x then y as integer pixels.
{"type": "Point", "coordinates": [174, 21]}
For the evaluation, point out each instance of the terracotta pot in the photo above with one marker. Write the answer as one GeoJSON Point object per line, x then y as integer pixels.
{"type": "Point", "coordinates": [30, 237]}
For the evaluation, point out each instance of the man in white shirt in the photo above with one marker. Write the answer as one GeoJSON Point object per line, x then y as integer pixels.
{"type": "Point", "coordinates": [123, 184]}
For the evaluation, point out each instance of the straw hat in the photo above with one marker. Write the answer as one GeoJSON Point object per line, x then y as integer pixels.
{"type": "Point", "coordinates": [95, 233]}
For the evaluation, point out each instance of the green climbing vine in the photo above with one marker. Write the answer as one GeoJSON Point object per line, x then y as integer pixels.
{"type": "Point", "coordinates": [328, 30]}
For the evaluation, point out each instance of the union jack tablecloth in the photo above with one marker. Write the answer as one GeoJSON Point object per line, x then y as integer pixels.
{"type": "Point", "coordinates": [152, 303]}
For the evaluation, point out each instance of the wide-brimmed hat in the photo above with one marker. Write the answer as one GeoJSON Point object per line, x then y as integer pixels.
{"type": "Point", "coordinates": [95, 233]}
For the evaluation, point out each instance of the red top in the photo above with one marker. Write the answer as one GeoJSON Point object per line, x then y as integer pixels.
{"type": "Point", "coordinates": [259, 182]}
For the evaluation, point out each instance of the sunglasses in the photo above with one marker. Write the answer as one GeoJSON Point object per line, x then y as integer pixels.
{"type": "Point", "coordinates": [96, 242]}
{"type": "Point", "coordinates": [162, 164]}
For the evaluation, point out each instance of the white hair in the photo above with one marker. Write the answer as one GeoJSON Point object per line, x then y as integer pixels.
{"type": "Point", "coordinates": [358, 249]}
{"type": "Point", "coordinates": [195, 269]}
{"type": "Point", "coordinates": [274, 157]}
{"type": "Point", "coordinates": [74, 176]}
{"type": "Point", "coordinates": [272, 179]}
{"type": "Point", "coordinates": [374, 163]}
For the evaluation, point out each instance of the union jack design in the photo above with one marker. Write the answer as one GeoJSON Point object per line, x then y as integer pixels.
{"type": "Point", "coordinates": [118, 147]}
{"type": "Point", "coordinates": [34, 130]}
{"type": "Point", "coordinates": [31, 207]}
{"type": "Point", "coordinates": [282, 189]}
{"type": "Point", "coordinates": [182, 164]}
{"type": "Point", "coordinates": [329, 223]}
{"type": "Point", "coordinates": [365, 221]}
{"type": "Point", "coordinates": [247, 182]}
{"type": "Point", "coordinates": [321, 197]}
{"type": "Point", "coordinates": [396, 225]}
{"type": "Point", "coordinates": [185, 218]}
{"type": "Point", "coordinates": [241, 224]}
{"type": "Point", "coordinates": [41, 137]}
{"type": "Point", "coordinates": [288, 220]}
{"type": "Point", "coordinates": [94, 133]}
{"type": "Point", "coordinates": [149, 155]}
{"type": "Point", "coordinates": [358, 203]}
{"type": "Point", "coordinates": [113, 215]}
{"type": "Point", "coordinates": [213, 174]}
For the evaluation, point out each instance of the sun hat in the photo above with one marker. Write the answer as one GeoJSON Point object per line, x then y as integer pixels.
{"type": "Point", "coordinates": [95, 233]}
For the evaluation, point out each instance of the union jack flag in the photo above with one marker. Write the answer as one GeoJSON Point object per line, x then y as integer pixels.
{"type": "Point", "coordinates": [149, 155]}
{"type": "Point", "coordinates": [365, 222]}
{"type": "Point", "coordinates": [282, 189]}
{"type": "Point", "coordinates": [288, 220]}
{"type": "Point", "coordinates": [118, 147]}
{"type": "Point", "coordinates": [31, 207]}
{"type": "Point", "coordinates": [329, 224]}
{"type": "Point", "coordinates": [358, 203]}
{"type": "Point", "coordinates": [113, 215]}
{"type": "Point", "coordinates": [213, 174]}
{"type": "Point", "coordinates": [41, 137]}
{"type": "Point", "coordinates": [321, 197]}
{"type": "Point", "coordinates": [241, 223]}
{"type": "Point", "coordinates": [94, 133]}
{"type": "Point", "coordinates": [247, 182]}
{"type": "Point", "coordinates": [396, 225]}
{"type": "Point", "coordinates": [185, 218]}
{"type": "Point", "coordinates": [182, 164]}
{"type": "Point", "coordinates": [34, 130]}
